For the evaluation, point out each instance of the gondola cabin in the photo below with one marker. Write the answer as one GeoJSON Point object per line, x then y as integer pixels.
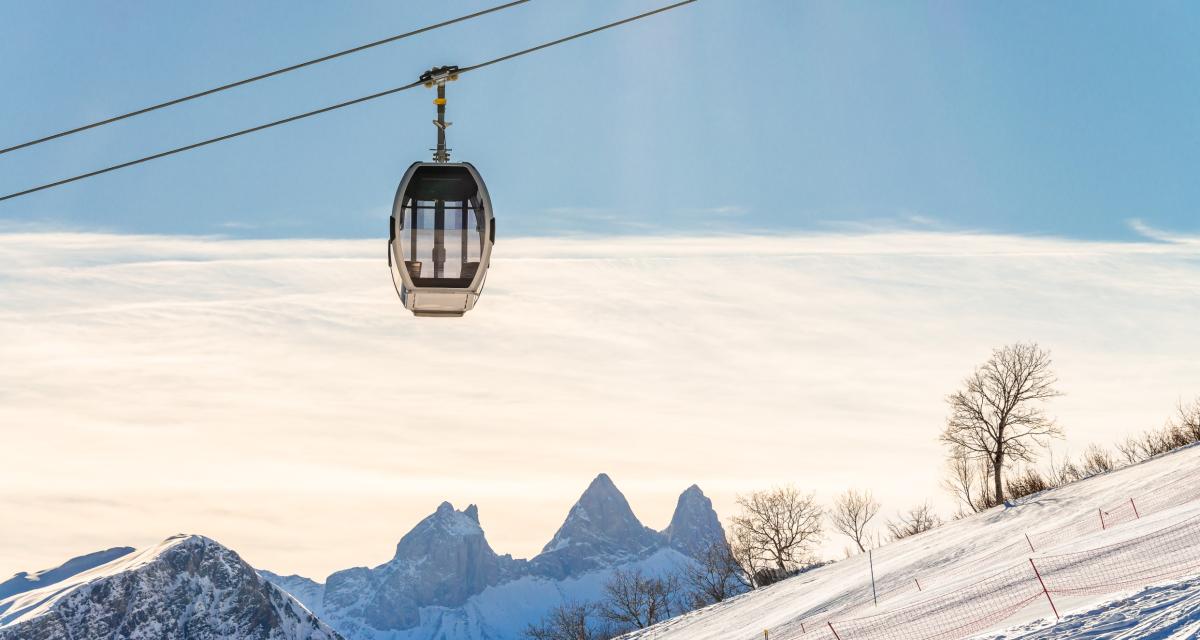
{"type": "Point", "coordinates": [441, 238]}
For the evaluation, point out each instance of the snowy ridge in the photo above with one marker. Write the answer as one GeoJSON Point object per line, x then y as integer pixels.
{"type": "Point", "coordinates": [309, 592]}
{"type": "Point", "coordinates": [23, 581]}
{"type": "Point", "coordinates": [187, 586]}
{"type": "Point", "coordinates": [1155, 545]}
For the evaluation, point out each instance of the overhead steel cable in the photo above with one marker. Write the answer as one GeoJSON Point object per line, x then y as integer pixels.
{"type": "Point", "coordinates": [339, 105]}
{"type": "Point", "coordinates": [262, 76]}
{"type": "Point", "coordinates": [203, 143]}
{"type": "Point", "coordinates": [573, 37]}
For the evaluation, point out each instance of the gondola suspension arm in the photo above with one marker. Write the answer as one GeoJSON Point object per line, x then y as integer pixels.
{"type": "Point", "coordinates": [438, 77]}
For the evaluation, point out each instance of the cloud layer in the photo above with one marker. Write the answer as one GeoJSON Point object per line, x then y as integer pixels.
{"type": "Point", "coordinates": [274, 395]}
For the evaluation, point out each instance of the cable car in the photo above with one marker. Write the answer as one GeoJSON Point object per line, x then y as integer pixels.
{"type": "Point", "coordinates": [441, 238]}
{"type": "Point", "coordinates": [442, 229]}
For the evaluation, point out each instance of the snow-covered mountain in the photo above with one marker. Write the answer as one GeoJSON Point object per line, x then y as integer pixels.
{"type": "Point", "coordinates": [445, 582]}
{"type": "Point", "coordinates": [442, 562]}
{"type": "Point", "coordinates": [308, 591]}
{"type": "Point", "coordinates": [22, 582]}
{"type": "Point", "coordinates": [186, 587]}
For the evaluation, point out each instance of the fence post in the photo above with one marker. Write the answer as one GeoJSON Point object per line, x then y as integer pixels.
{"type": "Point", "coordinates": [1134, 505]}
{"type": "Point", "coordinates": [835, 635]}
{"type": "Point", "coordinates": [918, 584]}
{"type": "Point", "coordinates": [1030, 543]}
{"type": "Point", "coordinates": [874, 595]}
{"type": "Point", "coordinates": [1044, 589]}
{"type": "Point", "coordinates": [1102, 527]}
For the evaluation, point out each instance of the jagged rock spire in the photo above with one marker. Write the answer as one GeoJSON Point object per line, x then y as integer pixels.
{"type": "Point", "coordinates": [600, 530]}
{"type": "Point", "coordinates": [444, 560]}
{"type": "Point", "coordinates": [694, 526]}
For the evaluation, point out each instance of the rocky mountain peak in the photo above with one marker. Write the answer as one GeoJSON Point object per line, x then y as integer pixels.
{"type": "Point", "coordinates": [444, 560]}
{"type": "Point", "coordinates": [600, 530]}
{"type": "Point", "coordinates": [694, 526]}
{"type": "Point", "coordinates": [602, 482]}
{"type": "Point", "coordinates": [444, 527]}
{"type": "Point", "coordinates": [601, 512]}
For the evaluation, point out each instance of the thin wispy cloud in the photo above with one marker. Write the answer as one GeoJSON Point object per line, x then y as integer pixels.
{"type": "Point", "coordinates": [682, 221]}
{"type": "Point", "coordinates": [722, 211]}
{"type": "Point", "coordinates": [582, 219]}
{"type": "Point", "coordinates": [1160, 235]}
{"type": "Point", "coordinates": [263, 390]}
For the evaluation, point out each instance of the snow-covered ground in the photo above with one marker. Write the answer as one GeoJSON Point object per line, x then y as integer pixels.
{"type": "Point", "coordinates": [973, 576]}
{"type": "Point", "coordinates": [1163, 612]}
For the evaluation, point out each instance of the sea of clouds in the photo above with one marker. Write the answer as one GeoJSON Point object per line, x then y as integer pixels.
{"type": "Point", "coordinates": [275, 395]}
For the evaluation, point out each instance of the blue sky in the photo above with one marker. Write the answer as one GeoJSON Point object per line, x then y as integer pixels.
{"type": "Point", "coordinates": [1057, 118]}
{"type": "Point", "coordinates": [886, 164]}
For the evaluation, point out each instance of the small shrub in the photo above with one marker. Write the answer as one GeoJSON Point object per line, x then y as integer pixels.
{"type": "Point", "coordinates": [1065, 473]}
{"type": "Point", "coordinates": [1029, 481]}
{"type": "Point", "coordinates": [1096, 460]}
{"type": "Point", "coordinates": [919, 519]}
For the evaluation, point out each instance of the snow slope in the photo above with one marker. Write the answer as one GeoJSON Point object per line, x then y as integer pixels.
{"type": "Point", "coordinates": [1164, 612]}
{"type": "Point", "coordinates": [934, 573]}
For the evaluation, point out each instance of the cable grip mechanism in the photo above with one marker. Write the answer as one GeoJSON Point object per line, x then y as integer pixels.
{"type": "Point", "coordinates": [438, 77]}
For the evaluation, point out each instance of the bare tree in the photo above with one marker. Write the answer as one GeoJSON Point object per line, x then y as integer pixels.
{"type": "Point", "coordinates": [636, 601]}
{"type": "Point", "coordinates": [997, 416]}
{"type": "Point", "coordinates": [776, 530]}
{"type": "Point", "coordinates": [570, 621]}
{"type": "Point", "coordinates": [715, 576]}
{"type": "Point", "coordinates": [919, 519]}
{"type": "Point", "coordinates": [852, 512]}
